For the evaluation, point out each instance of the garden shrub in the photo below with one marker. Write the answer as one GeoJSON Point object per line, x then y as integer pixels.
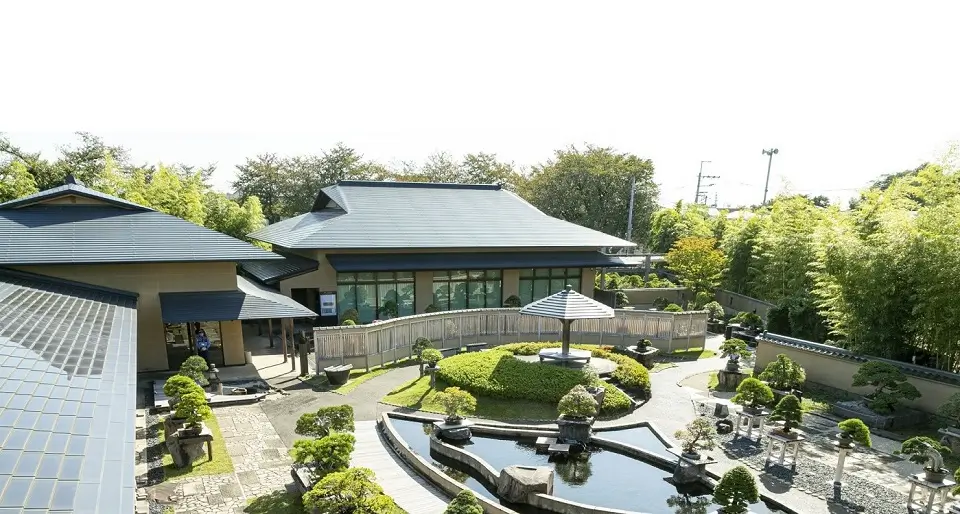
{"type": "Point", "coordinates": [348, 323]}
{"type": "Point", "coordinates": [890, 386]}
{"type": "Point", "coordinates": [784, 374]}
{"type": "Point", "coordinates": [326, 455]}
{"type": "Point", "coordinates": [633, 282]}
{"type": "Point", "coordinates": [629, 372]}
{"type": "Point", "coordinates": [578, 403]}
{"type": "Point", "coordinates": [350, 314]}
{"type": "Point", "coordinates": [353, 491]}
{"type": "Point", "coordinates": [660, 303]}
{"type": "Point", "coordinates": [498, 374]}
{"type": "Point", "coordinates": [196, 368]}
{"type": "Point", "coordinates": [673, 308]}
{"type": "Point", "coordinates": [337, 418]}
{"type": "Point", "coordinates": [702, 299]}
{"type": "Point", "coordinates": [464, 503]}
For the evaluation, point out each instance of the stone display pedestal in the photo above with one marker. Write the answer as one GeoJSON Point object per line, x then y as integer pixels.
{"type": "Point", "coordinates": [579, 430]}
{"type": "Point", "coordinates": [688, 470]}
{"type": "Point", "coordinates": [643, 355]}
{"type": "Point", "coordinates": [843, 448]}
{"type": "Point", "coordinates": [730, 380]}
{"type": "Point", "coordinates": [753, 419]}
{"type": "Point", "coordinates": [188, 447]}
{"type": "Point", "coordinates": [433, 375]}
{"type": "Point", "coordinates": [516, 483]}
{"type": "Point", "coordinates": [951, 438]}
{"type": "Point", "coordinates": [789, 449]}
{"type": "Point", "coordinates": [453, 431]}
{"type": "Point", "coordinates": [936, 494]}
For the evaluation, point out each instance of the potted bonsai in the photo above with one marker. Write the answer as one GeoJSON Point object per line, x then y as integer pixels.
{"type": "Point", "coordinates": [753, 395]}
{"type": "Point", "coordinates": [736, 490]}
{"type": "Point", "coordinates": [789, 412]}
{"type": "Point", "coordinates": [178, 385]}
{"type": "Point", "coordinates": [196, 368]}
{"type": "Point", "coordinates": [926, 451]}
{"type": "Point", "coordinates": [889, 383]}
{"type": "Point", "coordinates": [783, 375]}
{"type": "Point", "coordinates": [193, 408]}
{"type": "Point", "coordinates": [512, 302]}
{"type": "Point", "coordinates": [327, 420]}
{"type": "Point", "coordinates": [456, 403]}
{"type": "Point", "coordinates": [699, 435]}
{"type": "Point", "coordinates": [326, 455]}
{"type": "Point", "coordinates": [577, 409]}
{"type": "Point", "coordinates": [854, 430]}
{"type": "Point", "coordinates": [431, 356]}
{"type": "Point", "coordinates": [421, 344]}
{"type": "Point", "coordinates": [715, 321]}
{"type": "Point", "coordinates": [734, 349]}
{"type": "Point", "coordinates": [464, 503]}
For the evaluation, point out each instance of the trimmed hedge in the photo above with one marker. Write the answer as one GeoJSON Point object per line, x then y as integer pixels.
{"type": "Point", "coordinates": [498, 374]}
{"type": "Point", "coordinates": [629, 372]}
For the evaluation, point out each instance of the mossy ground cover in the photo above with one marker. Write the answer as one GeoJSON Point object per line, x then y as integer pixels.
{"type": "Point", "coordinates": [220, 464]}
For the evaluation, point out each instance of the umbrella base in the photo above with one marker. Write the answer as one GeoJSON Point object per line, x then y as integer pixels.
{"type": "Point", "coordinates": [557, 354]}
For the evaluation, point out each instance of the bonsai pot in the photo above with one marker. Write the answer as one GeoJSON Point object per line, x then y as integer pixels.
{"type": "Point", "coordinates": [788, 435]}
{"type": "Point", "coordinates": [846, 440]}
{"type": "Point", "coordinates": [453, 421]}
{"type": "Point", "coordinates": [694, 455]}
{"type": "Point", "coordinates": [191, 430]}
{"type": "Point", "coordinates": [935, 476]}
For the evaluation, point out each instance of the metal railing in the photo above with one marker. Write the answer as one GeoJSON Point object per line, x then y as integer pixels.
{"type": "Point", "coordinates": [497, 326]}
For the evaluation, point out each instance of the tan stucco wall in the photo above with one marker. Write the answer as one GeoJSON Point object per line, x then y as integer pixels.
{"type": "Point", "coordinates": [232, 334]}
{"type": "Point", "coordinates": [587, 281]}
{"type": "Point", "coordinates": [838, 373]}
{"type": "Point", "coordinates": [422, 290]}
{"type": "Point", "coordinates": [149, 280]}
{"type": "Point", "coordinates": [511, 283]}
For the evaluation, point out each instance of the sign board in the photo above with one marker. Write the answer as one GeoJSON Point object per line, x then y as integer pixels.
{"type": "Point", "coordinates": [328, 304]}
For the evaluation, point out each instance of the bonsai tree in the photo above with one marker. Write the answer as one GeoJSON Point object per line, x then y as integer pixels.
{"type": "Point", "coordinates": [325, 421]}
{"type": "Point", "coordinates": [950, 410]}
{"type": "Point", "coordinates": [621, 299]}
{"type": "Point", "coordinates": [889, 383]}
{"type": "Point", "coordinates": [513, 302]}
{"type": "Point", "coordinates": [348, 323]}
{"type": "Point", "coordinates": [714, 310]}
{"type": "Point", "coordinates": [350, 314]}
{"type": "Point", "coordinates": [855, 430]}
{"type": "Point", "coordinates": [352, 491]}
{"type": "Point", "coordinates": [196, 368]}
{"type": "Point", "coordinates": [673, 308]}
{"type": "Point", "coordinates": [699, 435]}
{"type": "Point", "coordinates": [686, 504]}
{"type": "Point", "coordinates": [788, 410]}
{"type": "Point", "coordinates": [643, 344]}
{"type": "Point", "coordinates": [920, 450]}
{"type": "Point", "coordinates": [783, 374]}
{"type": "Point", "coordinates": [193, 408]}
{"type": "Point", "coordinates": [464, 503]}
{"type": "Point", "coordinates": [456, 403]}
{"type": "Point", "coordinates": [736, 491]}
{"type": "Point", "coordinates": [734, 349]}
{"type": "Point", "coordinates": [660, 303]}
{"type": "Point", "coordinates": [753, 394]}
{"type": "Point", "coordinates": [749, 320]}
{"type": "Point", "coordinates": [578, 403]}
{"type": "Point", "coordinates": [421, 344]}
{"type": "Point", "coordinates": [431, 356]}
{"type": "Point", "coordinates": [327, 455]}
{"type": "Point", "coordinates": [178, 385]}
{"type": "Point", "coordinates": [702, 299]}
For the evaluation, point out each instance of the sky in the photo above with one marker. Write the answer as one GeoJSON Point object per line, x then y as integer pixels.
{"type": "Point", "coordinates": [846, 91]}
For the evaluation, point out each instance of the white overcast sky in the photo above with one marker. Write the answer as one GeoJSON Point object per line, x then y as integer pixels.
{"type": "Point", "coordinates": [846, 90]}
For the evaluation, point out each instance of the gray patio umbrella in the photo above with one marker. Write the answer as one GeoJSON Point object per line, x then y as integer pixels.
{"type": "Point", "coordinates": [567, 306]}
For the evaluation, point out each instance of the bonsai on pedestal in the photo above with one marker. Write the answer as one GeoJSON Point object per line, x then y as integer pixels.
{"type": "Point", "coordinates": [456, 403]}
{"type": "Point", "coordinates": [753, 395]}
{"type": "Point", "coordinates": [734, 349]}
{"type": "Point", "coordinates": [890, 386]}
{"type": "Point", "coordinates": [330, 454]}
{"type": "Point", "coordinates": [421, 344]}
{"type": "Point", "coordinates": [196, 368]}
{"type": "Point", "coordinates": [178, 385]}
{"type": "Point", "coordinates": [431, 356]}
{"type": "Point", "coordinates": [924, 450]}
{"type": "Point", "coordinates": [783, 375]}
{"type": "Point", "coordinates": [193, 408]}
{"type": "Point", "coordinates": [699, 435]}
{"type": "Point", "coordinates": [789, 412]}
{"type": "Point", "coordinates": [736, 490]}
{"type": "Point", "coordinates": [577, 409]}
{"type": "Point", "coordinates": [337, 418]}
{"type": "Point", "coordinates": [854, 431]}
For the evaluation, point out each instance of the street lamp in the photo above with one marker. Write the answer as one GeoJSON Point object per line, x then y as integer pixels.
{"type": "Point", "coordinates": [771, 152]}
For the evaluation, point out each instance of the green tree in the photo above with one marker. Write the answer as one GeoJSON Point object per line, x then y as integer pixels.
{"type": "Point", "coordinates": [857, 430]}
{"type": "Point", "coordinates": [456, 403]}
{"type": "Point", "coordinates": [889, 383]}
{"type": "Point", "coordinates": [464, 503]}
{"type": "Point", "coordinates": [349, 492]}
{"type": "Point", "coordinates": [736, 491]}
{"type": "Point", "coordinates": [195, 368]}
{"type": "Point", "coordinates": [753, 394]}
{"type": "Point", "coordinates": [783, 374]}
{"type": "Point", "coordinates": [327, 455]}
{"type": "Point", "coordinates": [591, 187]}
{"type": "Point", "coordinates": [670, 224]}
{"type": "Point", "coordinates": [263, 177]}
{"type": "Point", "coordinates": [740, 246]}
{"type": "Point", "coordinates": [697, 262]}
{"type": "Point", "coordinates": [578, 403]}
{"type": "Point", "coordinates": [326, 420]}
{"type": "Point", "coordinates": [788, 410]}
{"type": "Point", "coordinates": [15, 181]}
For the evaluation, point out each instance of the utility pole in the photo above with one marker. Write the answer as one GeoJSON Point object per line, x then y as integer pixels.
{"type": "Point", "coordinates": [771, 152]}
{"type": "Point", "coordinates": [633, 191]}
{"type": "Point", "coordinates": [701, 176]}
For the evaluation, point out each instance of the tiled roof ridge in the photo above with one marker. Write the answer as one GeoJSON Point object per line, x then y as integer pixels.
{"type": "Point", "coordinates": [35, 277]}
{"type": "Point", "coordinates": [71, 189]}
{"type": "Point", "coordinates": [834, 351]}
{"type": "Point", "coordinates": [423, 185]}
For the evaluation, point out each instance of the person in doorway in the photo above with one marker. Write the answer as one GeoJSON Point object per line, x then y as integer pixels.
{"type": "Point", "coordinates": [203, 345]}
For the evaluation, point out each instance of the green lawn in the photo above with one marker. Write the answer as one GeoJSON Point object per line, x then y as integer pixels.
{"type": "Point", "coordinates": [417, 394]}
{"type": "Point", "coordinates": [693, 354]}
{"type": "Point", "coordinates": [357, 377]}
{"type": "Point", "coordinates": [221, 462]}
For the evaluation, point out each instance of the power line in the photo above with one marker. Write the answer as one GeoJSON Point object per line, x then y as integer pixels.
{"type": "Point", "coordinates": [700, 177]}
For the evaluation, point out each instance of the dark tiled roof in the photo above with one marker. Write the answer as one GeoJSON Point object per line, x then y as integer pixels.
{"type": "Point", "coordinates": [841, 353]}
{"type": "Point", "coordinates": [568, 304]}
{"type": "Point", "coordinates": [67, 396]}
{"type": "Point", "coordinates": [86, 234]}
{"type": "Point", "coordinates": [417, 215]}
{"type": "Point", "coordinates": [271, 272]}
{"type": "Point", "coordinates": [248, 301]}
{"type": "Point", "coordinates": [346, 262]}
{"type": "Point", "coordinates": [71, 190]}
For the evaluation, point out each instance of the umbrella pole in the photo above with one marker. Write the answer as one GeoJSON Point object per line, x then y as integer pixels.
{"type": "Point", "coordinates": [565, 338]}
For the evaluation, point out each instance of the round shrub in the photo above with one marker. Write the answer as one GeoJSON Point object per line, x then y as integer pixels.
{"type": "Point", "coordinates": [196, 368]}
{"type": "Point", "coordinates": [660, 303]}
{"type": "Point", "coordinates": [714, 310]}
{"type": "Point", "coordinates": [736, 491]}
{"type": "Point", "coordinates": [348, 323]}
{"type": "Point", "coordinates": [673, 308]}
{"type": "Point", "coordinates": [350, 314]}
{"type": "Point", "coordinates": [464, 503]}
{"type": "Point", "coordinates": [456, 403]}
{"type": "Point", "coordinates": [431, 356]}
{"type": "Point", "coordinates": [578, 403]}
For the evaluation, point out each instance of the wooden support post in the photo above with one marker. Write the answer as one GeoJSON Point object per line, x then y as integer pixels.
{"type": "Point", "coordinates": [283, 338]}
{"type": "Point", "coordinates": [270, 331]}
{"type": "Point", "coordinates": [293, 347]}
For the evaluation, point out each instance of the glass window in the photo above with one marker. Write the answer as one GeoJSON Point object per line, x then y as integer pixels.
{"type": "Point", "coordinates": [405, 305]}
{"type": "Point", "coordinates": [346, 278]}
{"type": "Point", "coordinates": [443, 275]}
{"type": "Point", "coordinates": [473, 289]}
{"type": "Point", "coordinates": [526, 273]}
{"type": "Point", "coordinates": [367, 302]}
{"type": "Point", "coordinates": [386, 277]}
{"type": "Point", "coordinates": [540, 283]}
{"type": "Point", "coordinates": [366, 277]}
{"type": "Point", "coordinates": [375, 296]}
{"type": "Point", "coordinates": [404, 276]}
{"type": "Point", "coordinates": [387, 300]}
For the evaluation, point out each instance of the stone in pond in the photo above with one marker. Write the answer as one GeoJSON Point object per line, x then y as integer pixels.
{"type": "Point", "coordinates": [517, 483]}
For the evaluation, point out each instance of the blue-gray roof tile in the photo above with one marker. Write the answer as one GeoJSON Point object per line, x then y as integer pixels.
{"type": "Point", "coordinates": [416, 215]}
{"type": "Point", "coordinates": [271, 272]}
{"type": "Point", "coordinates": [248, 301]}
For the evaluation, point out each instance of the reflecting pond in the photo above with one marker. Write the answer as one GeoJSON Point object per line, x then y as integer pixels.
{"type": "Point", "coordinates": [599, 477]}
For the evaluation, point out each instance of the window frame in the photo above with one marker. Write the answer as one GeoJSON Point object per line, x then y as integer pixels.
{"type": "Point", "coordinates": [469, 278]}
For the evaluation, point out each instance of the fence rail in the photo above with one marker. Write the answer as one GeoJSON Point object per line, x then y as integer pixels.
{"type": "Point", "coordinates": [457, 328]}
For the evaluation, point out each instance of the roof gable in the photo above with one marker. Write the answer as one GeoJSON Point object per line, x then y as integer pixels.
{"type": "Point", "coordinates": [72, 194]}
{"type": "Point", "coordinates": [361, 214]}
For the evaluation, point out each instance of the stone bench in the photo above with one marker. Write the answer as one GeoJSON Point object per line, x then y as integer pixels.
{"type": "Point", "coordinates": [338, 375]}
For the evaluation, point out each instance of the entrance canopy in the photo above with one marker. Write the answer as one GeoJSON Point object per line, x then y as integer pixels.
{"type": "Point", "coordinates": [248, 301]}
